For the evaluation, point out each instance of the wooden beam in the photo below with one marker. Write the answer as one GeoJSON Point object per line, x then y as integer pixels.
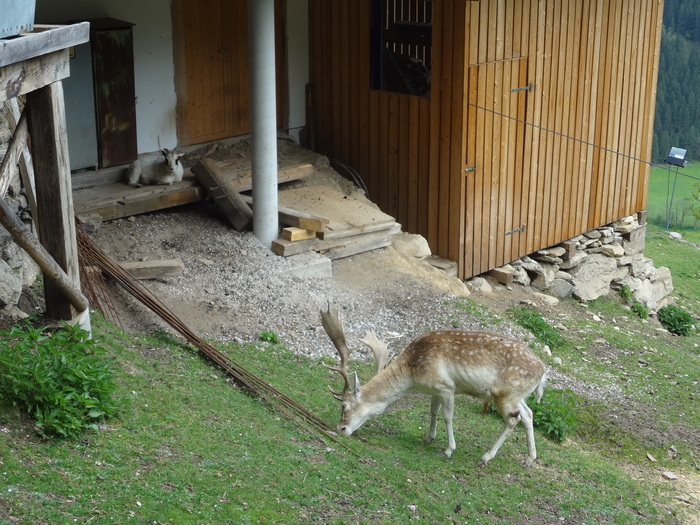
{"type": "Point", "coordinates": [55, 216]}
{"type": "Point", "coordinates": [26, 167]}
{"type": "Point", "coordinates": [12, 156]}
{"type": "Point", "coordinates": [153, 269]}
{"type": "Point", "coordinates": [44, 40]}
{"type": "Point", "coordinates": [225, 194]}
{"type": "Point", "coordinates": [29, 243]}
{"type": "Point", "coordinates": [33, 73]}
{"type": "Point", "coordinates": [298, 219]}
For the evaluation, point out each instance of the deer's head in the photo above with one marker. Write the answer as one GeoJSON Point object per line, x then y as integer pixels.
{"type": "Point", "coordinates": [354, 410]}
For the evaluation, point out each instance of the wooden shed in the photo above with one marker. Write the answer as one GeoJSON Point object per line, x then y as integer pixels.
{"type": "Point", "coordinates": [494, 128]}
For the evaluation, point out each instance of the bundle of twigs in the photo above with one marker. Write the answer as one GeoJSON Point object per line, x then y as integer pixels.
{"type": "Point", "coordinates": [93, 255]}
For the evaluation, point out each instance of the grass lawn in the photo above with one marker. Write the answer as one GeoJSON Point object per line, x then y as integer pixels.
{"type": "Point", "coordinates": [661, 188]}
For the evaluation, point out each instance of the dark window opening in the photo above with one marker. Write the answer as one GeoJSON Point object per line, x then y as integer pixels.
{"type": "Point", "coordinates": [401, 37]}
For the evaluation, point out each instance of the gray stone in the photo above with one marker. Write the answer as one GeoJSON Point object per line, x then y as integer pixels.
{"type": "Point", "coordinates": [479, 284]}
{"type": "Point", "coordinates": [545, 278]}
{"type": "Point", "coordinates": [592, 278]}
{"type": "Point", "coordinates": [612, 250]}
{"type": "Point", "coordinates": [593, 234]}
{"type": "Point", "coordinates": [10, 285]}
{"type": "Point", "coordinates": [546, 299]}
{"type": "Point", "coordinates": [520, 276]}
{"type": "Point", "coordinates": [411, 244]}
{"type": "Point", "coordinates": [446, 265]}
{"type": "Point", "coordinates": [578, 258]}
{"type": "Point", "coordinates": [560, 288]}
{"type": "Point", "coordinates": [642, 268]}
{"type": "Point", "coordinates": [662, 284]}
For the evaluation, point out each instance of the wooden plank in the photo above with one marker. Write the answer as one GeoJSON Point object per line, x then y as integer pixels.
{"type": "Point", "coordinates": [15, 148]}
{"type": "Point", "coordinates": [114, 201]}
{"type": "Point", "coordinates": [340, 246]}
{"type": "Point", "coordinates": [55, 215]}
{"type": "Point", "coordinates": [292, 233]}
{"type": "Point", "coordinates": [346, 216]}
{"type": "Point", "coordinates": [28, 75]}
{"type": "Point", "coordinates": [26, 167]}
{"type": "Point", "coordinates": [44, 40]}
{"type": "Point", "coordinates": [222, 189]}
{"type": "Point", "coordinates": [296, 218]}
{"type": "Point", "coordinates": [159, 269]}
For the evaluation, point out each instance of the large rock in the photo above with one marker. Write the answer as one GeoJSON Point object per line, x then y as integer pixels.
{"type": "Point", "coordinates": [10, 285]}
{"type": "Point", "coordinates": [662, 285]}
{"type": "Point", "coordinates": [592, 278]}
{"type": "Point", "coordinates": [560, 288]}
{"type": "Point", "coordinates": [411, 244]}
{"type": "Point", "coordinates": [545, 278]}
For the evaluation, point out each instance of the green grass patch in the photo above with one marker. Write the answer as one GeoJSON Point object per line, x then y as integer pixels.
{"type": "Point", "coordinates": [661, 190]}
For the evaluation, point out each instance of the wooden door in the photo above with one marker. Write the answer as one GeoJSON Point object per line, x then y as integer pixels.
{"type": "Point", "coordinates": [211, 68]}
{"type": "Point", "coordinates": [495, 184]}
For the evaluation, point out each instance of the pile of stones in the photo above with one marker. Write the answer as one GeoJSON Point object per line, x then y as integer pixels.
{"type": "Point", "coordinates": [590, 265]}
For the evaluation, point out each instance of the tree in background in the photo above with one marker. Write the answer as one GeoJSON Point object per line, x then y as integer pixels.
{"type": "Point", "coordinates": [677, 120]}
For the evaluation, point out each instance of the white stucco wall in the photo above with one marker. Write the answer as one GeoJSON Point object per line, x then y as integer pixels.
{"type": "Point", "coordinates": [153, 59]}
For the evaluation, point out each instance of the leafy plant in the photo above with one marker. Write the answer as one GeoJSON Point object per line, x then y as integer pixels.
{"type": "Point", "coordinates": [61, 378]}
{"type": "Point", "coordinates": [637, 308]}
{"type": "Point", "coordinates": [640, 310]}
{"type": "Point", "coordinates": [626, 294]}
{"type": "Point", "coordinates": [676, 320]}
{"type": "Point", "coordinates": [533, 321]}
{"type": "Point", "coordinates": [269, 337]}
{"type": "Point", "coordinates": [555, 413]}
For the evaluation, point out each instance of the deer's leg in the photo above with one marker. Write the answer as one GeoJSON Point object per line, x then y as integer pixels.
{"type": "Point", "coordinates": [526, 417]}
{"type": "Point", "coordinates": [434, 411]}
{"type": "Point", "coordinates": [448, 404]}
{"type": "Point", "coordinates": [511, 418]}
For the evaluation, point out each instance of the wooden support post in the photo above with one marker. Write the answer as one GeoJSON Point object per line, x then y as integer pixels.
{"type": "Point", "coordinates": [56, 223]}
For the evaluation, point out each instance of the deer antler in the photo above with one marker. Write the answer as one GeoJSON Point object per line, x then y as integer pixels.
{"type": "Point", "coordinates": [379, 349]}
{"type": "Point", "coordinates": [333, 326]}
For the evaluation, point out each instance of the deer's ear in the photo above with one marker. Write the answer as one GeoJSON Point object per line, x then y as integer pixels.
{"type": "Point", "coordinates": [357, 390]}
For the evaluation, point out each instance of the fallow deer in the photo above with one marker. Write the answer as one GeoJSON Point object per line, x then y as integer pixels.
{"type": "Point", "coordinates": [442, 363]}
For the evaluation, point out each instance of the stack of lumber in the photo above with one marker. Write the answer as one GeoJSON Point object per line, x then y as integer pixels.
{"type": "Point", "coordinates": [317, 218]}
{"type": "Point", "coordinates": [350, 226]}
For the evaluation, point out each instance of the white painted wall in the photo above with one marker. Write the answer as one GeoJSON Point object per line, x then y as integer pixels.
{"type": "Point", "coordinates": [153, 59]}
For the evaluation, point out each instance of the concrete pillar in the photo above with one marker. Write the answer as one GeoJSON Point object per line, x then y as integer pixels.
{"type": "Point", "coordinates": [263, 112]}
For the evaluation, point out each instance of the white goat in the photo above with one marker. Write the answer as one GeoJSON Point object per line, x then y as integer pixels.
{"type": "Point", "coordinates": [152, 171]}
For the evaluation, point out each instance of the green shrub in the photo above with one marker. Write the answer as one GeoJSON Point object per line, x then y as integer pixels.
{"type": "Point", "coordinates": [533, 321]}
{"type": "Point", "coordinates": [676, 320]}
{"type": "Point", "coordinates": [60, 378]}
{"type": "Point", "coordinates": [626, 294]}
{"type": "Point", "coordinates": [637, 308]}
{"type": "Point", "coordinates": [555, 413]}
{"type": "Point", "coordinates": [269, 337]}
{"type": "Point", "coordinates": [640, 310]}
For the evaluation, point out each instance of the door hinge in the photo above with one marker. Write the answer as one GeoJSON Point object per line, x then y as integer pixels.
{"type": "Point", "coordinates": [517, 230]}
{"type": "Point", "coordinates": [470, 169]}
{"type": "Point", "coordinates": [524, 88]}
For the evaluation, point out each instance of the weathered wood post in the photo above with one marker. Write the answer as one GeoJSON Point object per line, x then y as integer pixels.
{"type": "Point", "coordinates": [34, 65]}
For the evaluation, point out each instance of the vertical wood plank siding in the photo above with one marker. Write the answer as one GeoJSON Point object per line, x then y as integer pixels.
{"type": "Point", "coordinates": [488, 174]}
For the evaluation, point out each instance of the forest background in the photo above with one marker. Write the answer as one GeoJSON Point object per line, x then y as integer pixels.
{"type": "Point", "coordinates": [674, 194]}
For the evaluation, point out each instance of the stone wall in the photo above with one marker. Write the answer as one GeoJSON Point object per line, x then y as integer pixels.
{"type": "Point", "coordinates": [591, 265]}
